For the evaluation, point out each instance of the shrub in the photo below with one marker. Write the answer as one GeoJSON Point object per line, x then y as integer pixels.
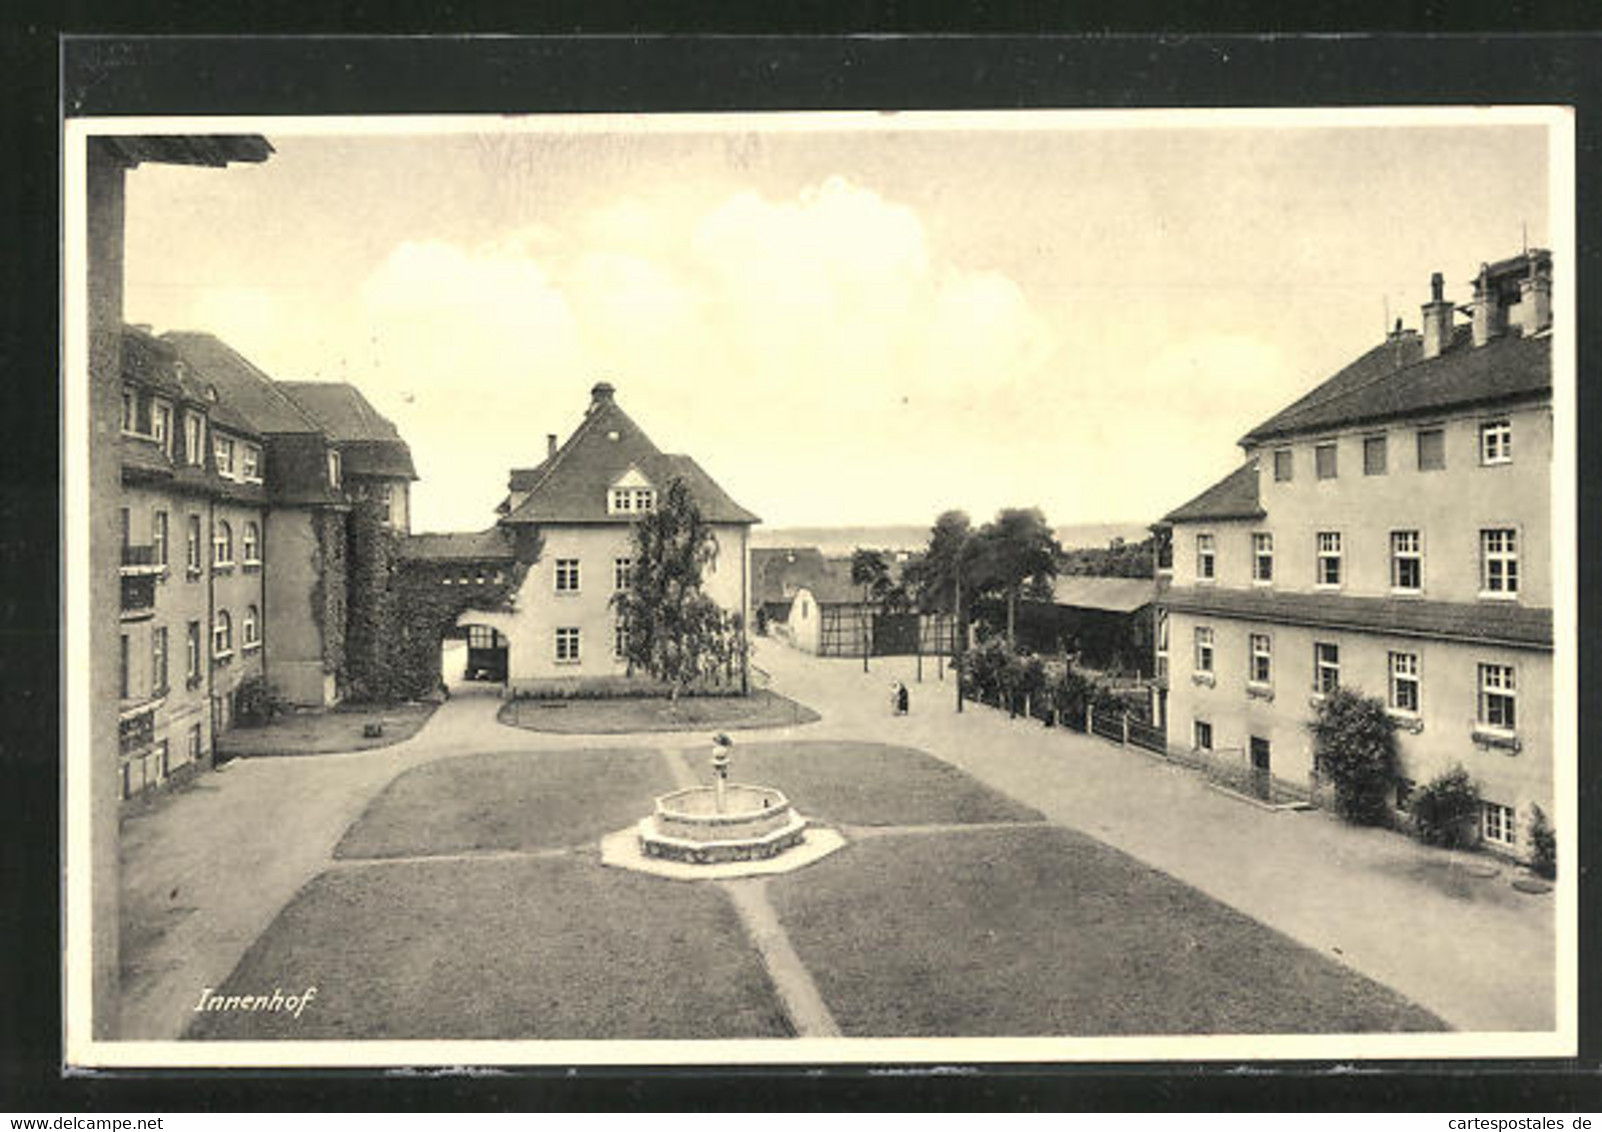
{"type": "Point", "coordinates": [1354, 748]}
{"type": "Point", "coordinates": [255, 703]}
{"type": "Point", "coordinates": [1543, 844]}
{"type": "Point", "coordinates": [1446, 811]}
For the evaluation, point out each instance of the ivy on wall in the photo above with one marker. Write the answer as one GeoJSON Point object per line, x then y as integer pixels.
{"type": "Point", "coordinates": [328, 592]}
{"type": "Point", "coordinates": [400, 609]}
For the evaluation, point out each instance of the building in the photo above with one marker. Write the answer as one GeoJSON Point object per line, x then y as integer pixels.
{"type": "Point", "coordinates": [235, 542]}
{"type": "Point", "coordinates": [374, 462]}
{"type": "Point", "coordinates": [1389, 531]}
{"type": "Point", "coordinates": [810, 601]}
{"type": "Point", "coordinates": [1105, 621]}
{"type": "Point", "coordinates": [568, 522]}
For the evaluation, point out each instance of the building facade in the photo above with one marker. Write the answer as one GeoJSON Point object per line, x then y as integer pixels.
{"type": "Point", "coordinates": [570, 522]}
{"type": "Point", "coordinates": [233, 544]}
{"type": "Point", "coordinates": [1389, 532]}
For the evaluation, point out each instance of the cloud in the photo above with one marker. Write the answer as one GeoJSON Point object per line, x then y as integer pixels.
{"type": "Point", "coordinates": [829, 312]}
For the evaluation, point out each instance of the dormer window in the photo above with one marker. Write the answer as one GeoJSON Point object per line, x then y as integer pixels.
{"type": "Point", "coordinates": [333, 467]}
{"type": "Point", "coordinates": [632, 494]}
{"type": "Point", "coordinates": [224, 448]}
{"type": "Point", "coordinates": [250, 463]}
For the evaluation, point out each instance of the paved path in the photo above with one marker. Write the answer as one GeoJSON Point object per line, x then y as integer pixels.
{"type": "Point", "coordinates": [206, 871]}
{"type": "Point", "coordinates": [1474, 951]}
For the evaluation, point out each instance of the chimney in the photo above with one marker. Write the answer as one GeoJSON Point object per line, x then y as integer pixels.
{"type": "Point", "coordinates": [1533, 312]}
{"type": "Point", "coordinates": [550, 445]}
{"type": "Point", "coordinates": [1489, 317]}
{"type": "Point", "coordinates": [1437, 319]}
{"type": "Point", "coordinates": [601, 393]}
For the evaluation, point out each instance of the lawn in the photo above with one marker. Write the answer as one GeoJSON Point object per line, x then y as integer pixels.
{"type": "Point", "coordinates": [518, 800]}
{"type": "Point", "coordinates": [872, 784]}
{"type": "Point", "coordinates": [623, 715]}
{"type": "Point", "coordinates": [337, 729]}
{"type": "Point", "coordinates": [502, 948]}
{"type": "Point", "coordinates": [1044, 931]}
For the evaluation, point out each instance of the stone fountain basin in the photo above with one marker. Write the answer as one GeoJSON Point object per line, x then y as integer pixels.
{"type": "Point", "coordinates": [748, 812]}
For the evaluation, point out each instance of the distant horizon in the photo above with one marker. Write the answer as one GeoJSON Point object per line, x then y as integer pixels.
{"type": "Point", "coordinates": [834, 539]}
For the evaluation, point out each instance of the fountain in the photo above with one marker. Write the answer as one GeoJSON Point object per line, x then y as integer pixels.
{"type": "Point", "coordinates": [741, 827]}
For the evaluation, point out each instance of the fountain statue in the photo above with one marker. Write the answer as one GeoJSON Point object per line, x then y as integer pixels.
{"type": "Point", "coordinates": [727, 821]}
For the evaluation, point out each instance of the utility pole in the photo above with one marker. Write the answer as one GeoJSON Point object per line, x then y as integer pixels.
{"type": "Point", "coordinates": [958, 635]}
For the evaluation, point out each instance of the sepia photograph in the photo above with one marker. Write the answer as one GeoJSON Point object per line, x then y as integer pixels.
{"type": "Point", "coordinates": [929, 587]}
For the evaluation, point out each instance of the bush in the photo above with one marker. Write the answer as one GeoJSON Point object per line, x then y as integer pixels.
{"type": "Point", "coordinates": [1354, 747]}
{"type": "Point", "coordinates": [1543, 844]}
{"type": "Point", "coordinates": [255, 704]}
{"type": "Point", "coordinates": [1446, 811]}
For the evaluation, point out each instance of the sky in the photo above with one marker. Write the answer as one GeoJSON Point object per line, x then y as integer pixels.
{"type": "Point", "coordinates": [845, 322]}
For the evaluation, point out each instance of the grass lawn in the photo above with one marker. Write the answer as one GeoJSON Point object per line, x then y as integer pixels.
{"type": "Point", "coordinates": [871, 784]}
{"type": "Point", "coordinates": [761, 708]}
{"type": "Point", "coordinates": [502, 948]}
{"type": "Point", "coordinates": [337, 729]}
{"type": "Point", "coordinates": [1045, 931]}
{"type": "Point", "coordinates": [512, 800]}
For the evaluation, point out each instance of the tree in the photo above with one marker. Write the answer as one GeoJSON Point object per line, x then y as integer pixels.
{"type": "Point", "coordinates": [670, 628]}
{"type": "Point", "coordinates": [1016, 550]}
{"type": "Point", "coordinates": [1354, 746]}
{"type": "Point", "coordinates": [931, 578]}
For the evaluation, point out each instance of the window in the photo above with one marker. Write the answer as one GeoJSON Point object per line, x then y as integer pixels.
{"type": "Point", "coordinates": [161, 425]}
{"type": "Point", "coordinates": [621, 501]}
{"type": "Point", "coordinates": [621, 568]}
{"type": "Point", "coordinates": [1373, 455]}
{"type": "Point", "coordinates": [620, 641]}
{"type": "Point", "coordinates": [1496, 442]}
{"type": "Point", "coordinates": [125, 517]}
{"type": "Point", "coordinates": [123, 681]}
{"type": "Point", "coordinates": [567, 575]}
{"type": "Point", "coordinates": [195, 749]}
{"type": "Point", "coordinates": [1329, 558]}
{"type": "Point", "coordinates": [1203, 732]}
{"type": "Point", "coordinates": [1324, 461]}
{"type": "Point", "coordinates": [158, 536]}
{"type": "Point", "coordinates": [333, 468]}
{"type": "Point", "coordinates": [250, 463]}
{"type": "Point", "coordinates": [192, 654]}
{"type": "Point", "coordinates": [1326, 667]}
{"type": "Point", "coordinates": [222, 544]}
{"type": "Point", "coordinates": [1497, 823]}
{"type": "Point", "coordinates": [192, 551]}
{"type": "Point", "coordinates": [1431, 449]}
{"type": "Point", "coordinates": [252, 543]}
{"type": "Point", "coordinates": [567, 646]}
{"type": "Point", "coordinates": [1162, 644]}
{"type": "Point", "coordinates": [482, 637]}
{"type": "Point", "coordinates": [222, 635]}
{"type": "Point", "coordinates": [250, 633]}
{"type": "Point", "coordinates": [130, 402]}
{"type": "Point", "coordinates": [1205, 563]}
{"type": "Point", "coordinates": [1262, 557]}
{"type": "Point", "coordinates": [1204, 649]}
{"type": "Point", "coordinates": [194, 440]}
{"type": "Point", "coordinates": [1499, 562]}
{"type": "Point", "coordinates": [1407, 562]}
{"type": "Point", "coordinates": [1404, 682]}
{"type": "Point", "coordinates": [1262, 662]}
{"type": "Point", "coordinates": [645, 499]}
{"type": "Point", "coordinates": [385, 495]}
{"type": "Point", "coordinates": [223, 446]}
{"type": "Point", "coordinates": [1284, 465]}
{"type": "Point", "coordinates": [158, 660]}
{"type": "Point", "coordinates": [1498, 697]}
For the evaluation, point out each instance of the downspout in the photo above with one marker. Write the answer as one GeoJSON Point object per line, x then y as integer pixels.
{"type": "Point", "coordinates": [745, 613]}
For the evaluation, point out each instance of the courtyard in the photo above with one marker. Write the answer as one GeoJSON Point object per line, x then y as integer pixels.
{"type": "Point", "coordinates": [997, 879]}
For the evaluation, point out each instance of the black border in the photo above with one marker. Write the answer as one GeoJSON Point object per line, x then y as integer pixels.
{"type": "Point", "coordinates": [626, 70]}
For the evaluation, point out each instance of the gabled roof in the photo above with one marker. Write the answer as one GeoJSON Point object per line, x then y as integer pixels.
{"type": "Point", "coordinates": [1394, 380]}
{"type": "Point", "coordinates": [778, 572]}
{"type": "Point", "coordinates": [369, 443]}
{"type": "Point", "coordinates": [473, 546]}
{"type": "Point", "coordinates": [239, 383]}
{"type": "Point", "coordinates": [571, 486]}
{"type": "Point", "coordinates": [1233, 497]}
{"type": "Point", "coordinates": [1111, 595]}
